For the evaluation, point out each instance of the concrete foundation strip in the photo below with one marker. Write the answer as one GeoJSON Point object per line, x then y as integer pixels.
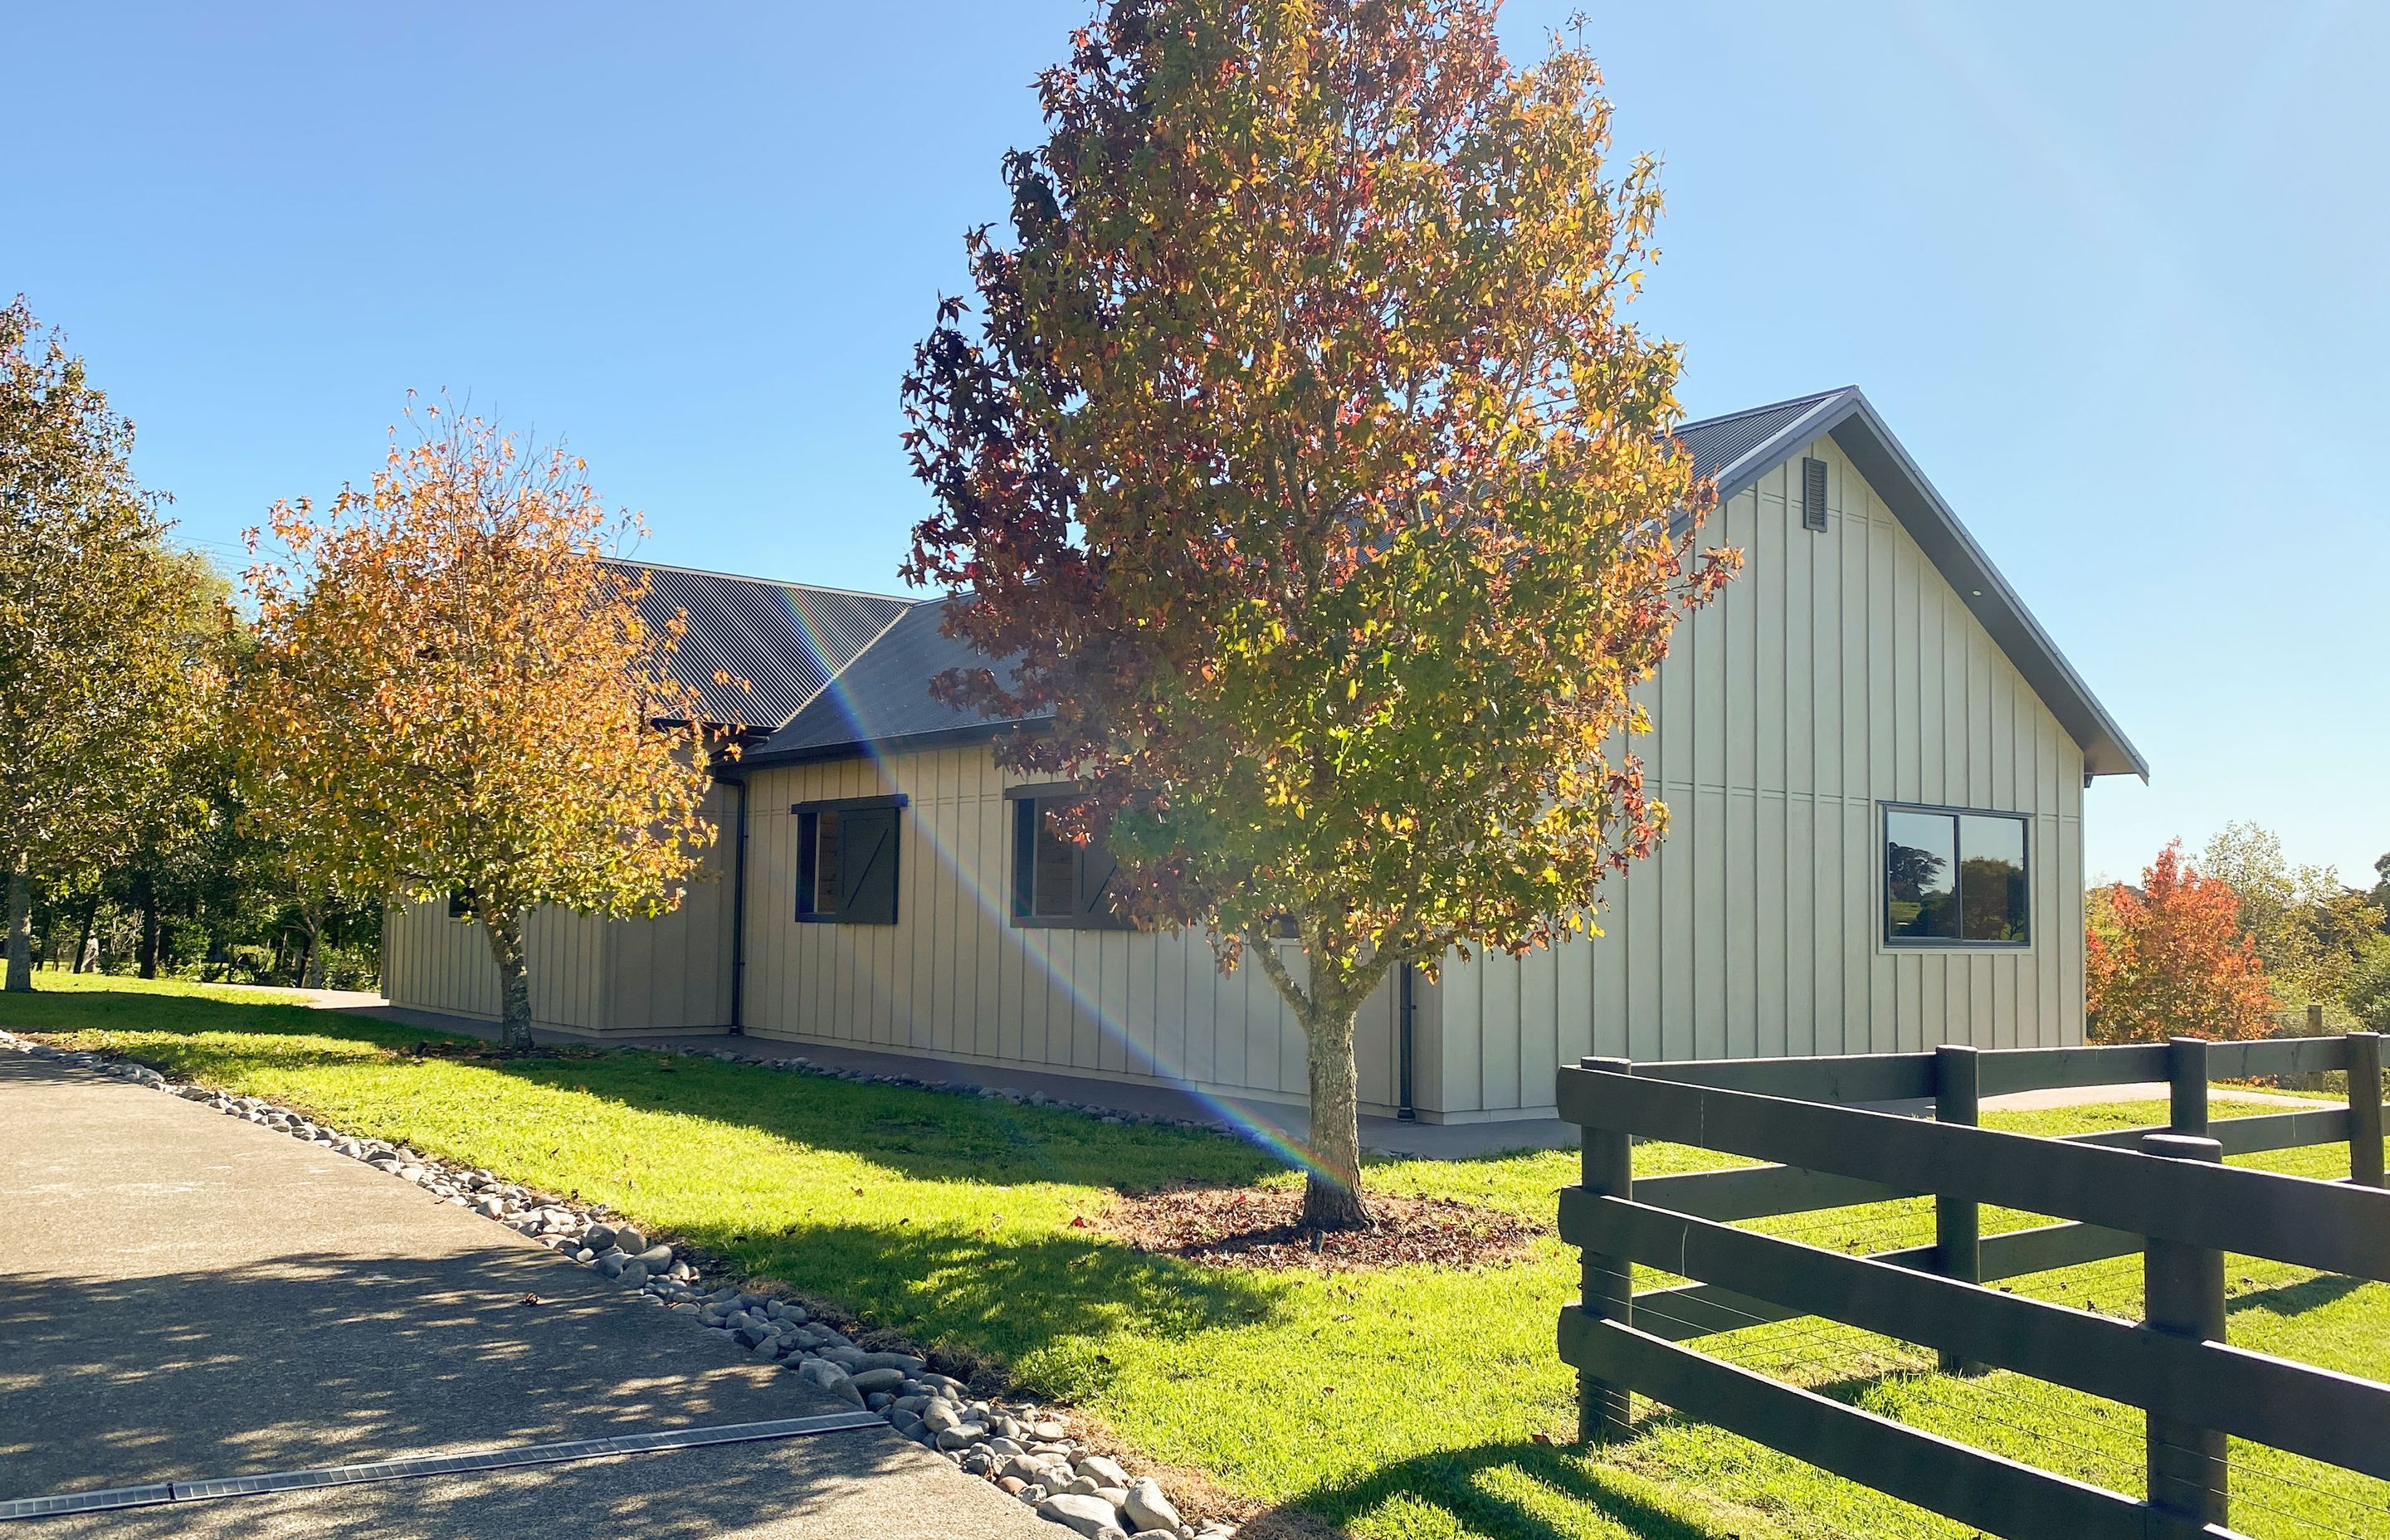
{"type": "Point", "coordinates": [154, 1493]}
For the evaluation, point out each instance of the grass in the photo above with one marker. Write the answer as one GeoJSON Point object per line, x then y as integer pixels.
{"type": "Point", "coordinates": [1413, 1403]}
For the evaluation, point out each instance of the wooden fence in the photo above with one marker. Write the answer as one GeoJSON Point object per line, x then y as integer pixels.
{"type": "Point", "coordinates": [2159, 1193]}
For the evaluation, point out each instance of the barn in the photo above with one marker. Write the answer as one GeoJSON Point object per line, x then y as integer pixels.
{"type": "Point", "coordinates": [1873, 755]}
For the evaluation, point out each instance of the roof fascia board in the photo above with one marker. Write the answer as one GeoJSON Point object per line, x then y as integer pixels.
{"type": "Point", "coordinates": [1862, 435]}
{"type": "Point", "coordinates": [940, 738]}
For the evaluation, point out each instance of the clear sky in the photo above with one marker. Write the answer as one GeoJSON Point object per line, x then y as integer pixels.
{"type": "Point", "coordinates": [2115, 274]}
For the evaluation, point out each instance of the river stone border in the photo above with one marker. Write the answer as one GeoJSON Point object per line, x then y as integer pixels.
{"type": "Point", "coordinates": [1028, 1451]}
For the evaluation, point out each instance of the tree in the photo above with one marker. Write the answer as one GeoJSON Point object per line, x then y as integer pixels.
{"type": "Point", "coordinates": [1300, 465]}
{"type": "Point", "coordinates": [108, 639]}
{"type": "Point", "coordinates": [2368, 994]}
{"type": "Point", "coordinates": [2172, 960]}
{"type": "Point", "coordinates": [2307, 926]}
{"type": "Point", "coordinates": [452, 692]}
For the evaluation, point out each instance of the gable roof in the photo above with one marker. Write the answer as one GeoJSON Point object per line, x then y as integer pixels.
{"type": "Point", "coordinates": [786, 640]}
{"type": "Point", "coordinates": [1740, 447]}
{"type": "Point", "coordinates": [885, 694]}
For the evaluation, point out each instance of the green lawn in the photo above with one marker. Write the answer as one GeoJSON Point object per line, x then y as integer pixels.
{"type": "Point", "coordinates": [1410, 1403]}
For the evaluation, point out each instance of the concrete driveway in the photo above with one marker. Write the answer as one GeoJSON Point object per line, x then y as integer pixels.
{"type": "Point", "coordinates": [185, 1295]}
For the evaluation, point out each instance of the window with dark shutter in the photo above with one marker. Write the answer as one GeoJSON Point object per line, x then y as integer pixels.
{"type": "Point", "coordinates": [1057, 881]}
{"type": "Point", "coordinates": [1813, 494]}
{"type": "Point", "coordinates": [847, 860]}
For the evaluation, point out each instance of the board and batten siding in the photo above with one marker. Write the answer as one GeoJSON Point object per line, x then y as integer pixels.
{"type": "Point", "coordinates": [430, 962]}
{"type": "Point", "coordinates": [588, 975]}
{"type": "Point", "coordinates": [955, 979]}
{"type": "Point", "coordinates": [1837, 673]}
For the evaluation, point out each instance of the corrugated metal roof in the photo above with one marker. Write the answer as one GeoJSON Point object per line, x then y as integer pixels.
{"type": "Point", "coordinates": [885, 694]}
{"type": "Point", "coordinates": [1719, 443]}
{"type": "Point", "coordinates": [786, 640]}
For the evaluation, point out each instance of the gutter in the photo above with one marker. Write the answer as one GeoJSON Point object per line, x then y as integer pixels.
{"type": "Point", "coordinates": [737, 910]}
{"type": "Point", "coordinates": [1406, 1012]}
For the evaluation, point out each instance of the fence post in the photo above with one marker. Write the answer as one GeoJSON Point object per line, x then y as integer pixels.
{"type": "Point", "coordinates": [2187, 1081]}
{"type": "Point", "coordinates": [1608, 1287]}
{"type": "Point", "coordinates": [2183, 1295]}
{"type": "Point", "coordinates": [2365, 1109]}
{"type": "Point", "coordinates": [1958, 1223]}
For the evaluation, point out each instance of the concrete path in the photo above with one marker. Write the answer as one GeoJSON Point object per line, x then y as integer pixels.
{"type": "Point", "coordinates": [183, 1295]}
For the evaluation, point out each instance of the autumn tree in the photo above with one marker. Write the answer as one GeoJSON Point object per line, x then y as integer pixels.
{"type": "Point", "coordinates": [2308, 927]}
{"type": "Point", "coordinates": [2172, 960]}
{"type": "Point", "coordinates": [1305, 477]}
{"type": "Point", "coordinates": [454, 692]}
{"type": "Point", "coordinates": [110, 640]}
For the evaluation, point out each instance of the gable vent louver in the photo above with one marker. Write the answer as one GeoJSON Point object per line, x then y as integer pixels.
{"type": "Point", "coordinates": [1813, 494]}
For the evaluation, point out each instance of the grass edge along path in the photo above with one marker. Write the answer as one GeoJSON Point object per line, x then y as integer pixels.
{"type": "Point", "coordinates": [1416, 1403]}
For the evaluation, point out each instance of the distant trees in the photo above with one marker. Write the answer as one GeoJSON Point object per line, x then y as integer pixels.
{"type": "Point", "coordinates": [1301, 460]}
{"type": "Point", "coordinates": [453, 693]}
{"type": "Point", "coordinates": [111, 643]}
{"type": "Point", "coordinates": [2309, 929]}
{"type": "Point", "coordinates": [2172, 960]}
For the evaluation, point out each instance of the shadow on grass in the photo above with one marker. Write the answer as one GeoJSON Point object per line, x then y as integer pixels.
{"type": "Point", "coordinates": [2297, 1299]}
{"type": "Point", "coordinates": [1043, 1304]}
{"type": "Point", "coordinates": [926, 1134]}
{"type": "Point", "coordinates": [1485, 1489]}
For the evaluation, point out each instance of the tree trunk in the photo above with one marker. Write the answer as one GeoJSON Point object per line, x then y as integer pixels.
{"type": "Point", "coordinates": [514, 978]}
{"type": "Point", "coordinates": [1331, 1190]}
{"type": "Point", "coordinates": [311, 973]}
{"type": "Point", "coordinates": [149, 929]}
{"type": "Point", "coordinates": [20, 927]}
{"type": "Point", "coordinates": [82, 937]}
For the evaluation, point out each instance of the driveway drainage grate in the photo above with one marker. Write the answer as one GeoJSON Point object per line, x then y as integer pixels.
{"type": "Point", "coordinates": [154, 1493]}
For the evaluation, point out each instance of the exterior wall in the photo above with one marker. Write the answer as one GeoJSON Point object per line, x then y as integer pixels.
{"type": "Point", "coordinates": [1838, 672]}
{"type": "Point", "coordinates": [630, 977]}
{"type": "Point", "coordinates": [430, 962]}
{"type": "Point", "coordinates": [955, 979]}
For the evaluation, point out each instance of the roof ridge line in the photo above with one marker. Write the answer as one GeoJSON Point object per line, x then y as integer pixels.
{"type": "Point", "coordinates": [840, 672]}
{"type": "Point", "coordinates": [1809, 400]}
{"type": "Point", "coordinates": [766, 582]}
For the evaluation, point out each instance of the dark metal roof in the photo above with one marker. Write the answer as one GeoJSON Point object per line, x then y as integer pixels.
{"type": "Point", "coordinates": [785, 639]}
{"type": "Point", "coordinates": [884, 694]}
{"type": "Point", "coordinates": [1719, 444]}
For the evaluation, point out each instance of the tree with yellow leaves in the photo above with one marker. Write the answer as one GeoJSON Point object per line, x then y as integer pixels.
{"type": "Point", "coordinates": [453, 692]}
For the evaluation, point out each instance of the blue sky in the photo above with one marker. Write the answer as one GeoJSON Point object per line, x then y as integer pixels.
{"type": "Point", "coordinates": [2113, 273]}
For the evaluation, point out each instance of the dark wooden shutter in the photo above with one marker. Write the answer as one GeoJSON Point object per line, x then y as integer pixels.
{"type": "Point", "coordinates": [1813, 494]}
{"type": "Point", "coordinates": [808, 860]}
{"type": "Point", "coordinates": [1024, 857]}
{"type": "Point", "coordinates": [867, 866]}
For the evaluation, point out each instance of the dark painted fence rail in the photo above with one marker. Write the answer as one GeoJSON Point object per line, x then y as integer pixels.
{"type": "Point", "coordinates": [2161, 1192]}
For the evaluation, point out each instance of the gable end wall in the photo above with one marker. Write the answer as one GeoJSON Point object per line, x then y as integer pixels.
{"type": "Point", "coordinates": [1837, 671]}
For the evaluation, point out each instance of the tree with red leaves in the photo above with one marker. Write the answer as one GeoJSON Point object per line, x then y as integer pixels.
{"type": "Point", "coordinates": [2172, 960]}
{"type": "Point", "coordinates": [1308, 485]}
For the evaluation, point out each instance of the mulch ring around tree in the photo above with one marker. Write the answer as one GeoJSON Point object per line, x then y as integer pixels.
{"type": "Point", "coordinates": [1261, 1227]}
